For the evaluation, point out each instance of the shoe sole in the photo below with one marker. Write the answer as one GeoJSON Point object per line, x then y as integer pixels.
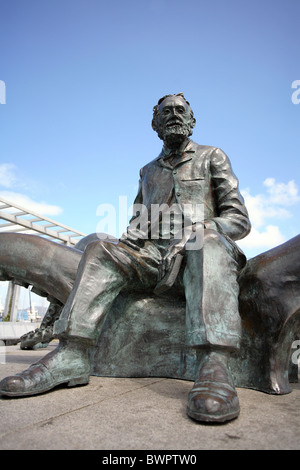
{"type": "Point", "coordinates": [211, 418]}
{"type": "Point", "coordinates": [69, 383]}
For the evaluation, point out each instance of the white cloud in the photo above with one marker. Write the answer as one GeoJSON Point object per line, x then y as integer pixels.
{"type": "Point", "coordinates": [9, 179]}
{"type": "Point", "coordinates": [282, 194]}
{"type": "Point", "coordinates": [7, 175]}
{"type": "Point", "coordinates": [261, 207]}
{"type": "Point", "coordinates": [266, 239]}
{"type": "Point", "coordinates": [274, 204]}
{"type": "Point", "coordinates": [24, 201]}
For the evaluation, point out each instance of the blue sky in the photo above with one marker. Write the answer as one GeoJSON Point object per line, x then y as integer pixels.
{"type": "Point", "coordinates": [82, 76]}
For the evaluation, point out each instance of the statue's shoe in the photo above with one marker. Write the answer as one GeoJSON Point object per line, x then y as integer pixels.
{"type": "Point", "coordinates": [68, 364]}
{"type": "Point", "coordinates": [38, 338]}
{"type": "Point", "coordinates": [213, 397]}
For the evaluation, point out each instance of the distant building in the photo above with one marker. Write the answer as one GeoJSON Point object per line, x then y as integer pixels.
{"type": "Point", "coordinates": [33, 314]}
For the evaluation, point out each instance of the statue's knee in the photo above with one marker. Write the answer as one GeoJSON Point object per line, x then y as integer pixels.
{"type": "Point", "coordinates": [213, 237]}
{"type": "Point", "coordinates": [100, 250]}
{"type": "Point", "coordinates": [85, 241]}
{"type": "Point", "coordinates": [94, 249]}
{"type": "Point", "coordinates": [204, 238]}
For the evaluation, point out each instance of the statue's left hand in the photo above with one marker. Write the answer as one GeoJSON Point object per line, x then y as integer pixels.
{"type": "Point", "coordinates": [175, 248]}
{"type": "Point", "coordinates": [178, 246]}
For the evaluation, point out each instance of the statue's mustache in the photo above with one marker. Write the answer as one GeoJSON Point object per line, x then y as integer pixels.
{"type": "Point", "coordinates": [174, 122]}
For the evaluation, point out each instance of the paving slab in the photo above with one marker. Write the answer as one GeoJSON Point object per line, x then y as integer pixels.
{"type": "Point", "coordinates": [138, 414]}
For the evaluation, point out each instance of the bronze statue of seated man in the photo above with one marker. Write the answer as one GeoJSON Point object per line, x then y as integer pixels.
{"type": "Point", "coordinates": [194, 189]}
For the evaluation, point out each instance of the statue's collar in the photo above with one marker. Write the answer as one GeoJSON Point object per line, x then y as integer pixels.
{"type": "Point", "coordinates": [166, 151]}
{"type": "Point", "coordinates": [183, 153]}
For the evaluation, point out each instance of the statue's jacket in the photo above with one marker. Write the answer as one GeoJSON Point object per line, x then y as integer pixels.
{"type": "Point", "coordinates": [201, 177]}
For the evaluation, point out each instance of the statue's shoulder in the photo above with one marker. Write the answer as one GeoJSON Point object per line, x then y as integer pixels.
{"type": "Point", "coordinates": [154, 161]}
{"type": "Point", "coordinates": [200, 148]}
{"type": "Point", "coordinates": [214, 154]}
{"type": "Point", "coordinates": [151, 164]}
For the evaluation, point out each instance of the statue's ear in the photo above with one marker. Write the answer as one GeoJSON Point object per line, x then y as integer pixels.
{"type": "Point", "coordinates": [155, 118]}
{"type": "Point", "coordinates": [154, 124]}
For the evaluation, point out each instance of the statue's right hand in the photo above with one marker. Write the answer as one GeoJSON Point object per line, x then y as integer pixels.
{"type": "Point", "coordinates": [135, 238]}
{"type": "Point", "coordinates": [128, 242]}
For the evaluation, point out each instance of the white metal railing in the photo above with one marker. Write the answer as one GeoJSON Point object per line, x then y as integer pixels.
{"type": "Point", "coordinates": [14, 218]}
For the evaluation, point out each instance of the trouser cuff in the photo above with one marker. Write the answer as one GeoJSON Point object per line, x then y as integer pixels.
{"type": "Point", "coordinates": [63, 329]}
{"type": "Point", "coordinates": [202, 339]}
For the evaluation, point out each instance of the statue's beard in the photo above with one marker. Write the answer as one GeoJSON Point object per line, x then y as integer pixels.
{"type": "Point", "coordinates": [175, 134]}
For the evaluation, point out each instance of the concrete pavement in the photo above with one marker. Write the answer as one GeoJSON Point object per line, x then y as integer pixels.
{"type": "Point", "coordinates": [140, 413]}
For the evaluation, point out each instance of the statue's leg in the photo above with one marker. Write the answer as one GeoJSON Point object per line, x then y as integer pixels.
{"type": "Point", "coordinates": [104, 270]}
{"type": "Point", "coordinates": [213, 326]}
{"type": "Point", "coordinates": [32, 260]}
{"type": "Point", "coordinates": [43, 335]}
{"type": "Point", "coordinates": [211, 289]}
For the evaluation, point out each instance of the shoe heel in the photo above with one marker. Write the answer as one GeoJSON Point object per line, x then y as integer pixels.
{"type": "Point", "coordinates": [79, 381]}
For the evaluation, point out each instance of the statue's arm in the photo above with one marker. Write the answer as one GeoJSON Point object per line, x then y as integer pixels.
{"type": "Point", "coordinates": [232, 216]}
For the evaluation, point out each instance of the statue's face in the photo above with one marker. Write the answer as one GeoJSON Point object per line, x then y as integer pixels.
{"type": "Point", "coordinates": [175, 120]}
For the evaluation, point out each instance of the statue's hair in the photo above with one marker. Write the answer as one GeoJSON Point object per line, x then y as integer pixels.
{"type": "Point", "coordinates": [156, 109]}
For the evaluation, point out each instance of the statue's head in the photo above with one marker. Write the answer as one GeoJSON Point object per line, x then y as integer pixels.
{"type": "Point", "coordinates": [173, 118]}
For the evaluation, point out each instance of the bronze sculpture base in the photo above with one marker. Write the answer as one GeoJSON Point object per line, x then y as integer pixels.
{"type": "Point", "coordinates": [144, 336]}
